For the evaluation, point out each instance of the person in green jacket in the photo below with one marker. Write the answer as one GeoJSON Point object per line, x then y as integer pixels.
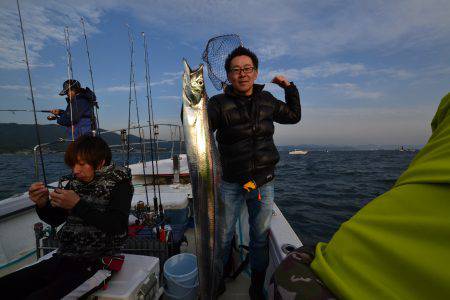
{"type": "Point", "coordinates": [398, 245]}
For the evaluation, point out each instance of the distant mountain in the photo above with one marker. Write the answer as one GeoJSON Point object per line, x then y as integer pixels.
{"type": "Point", "coordinates": [313, 147]}
{"type": "Point", "coordinates": [22, 137]}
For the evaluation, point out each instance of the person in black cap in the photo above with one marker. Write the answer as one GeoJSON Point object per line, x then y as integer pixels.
{"type": "Point", "coordinates": [79, 115]}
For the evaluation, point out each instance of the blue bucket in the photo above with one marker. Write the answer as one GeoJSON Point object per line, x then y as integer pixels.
{"type": "Point", "coordinates": [181, 275]}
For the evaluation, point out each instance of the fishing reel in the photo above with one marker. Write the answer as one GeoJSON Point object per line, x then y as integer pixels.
{"type": "Point", "coordinates": [62, 182]}
{"type": "Point", "coordinates": [143, 215]}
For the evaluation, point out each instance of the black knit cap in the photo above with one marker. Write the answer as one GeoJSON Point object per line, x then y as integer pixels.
{"type": "Point", "coordinates": [69, 84]}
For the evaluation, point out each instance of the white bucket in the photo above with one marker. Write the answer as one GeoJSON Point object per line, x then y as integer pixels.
{"type": "Point", "coordinates": [181, 275]}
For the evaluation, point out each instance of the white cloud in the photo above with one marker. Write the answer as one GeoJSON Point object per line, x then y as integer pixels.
{"type": "Point", "coordinates": [121, 88]}
{"type": "Point", "coordinates": [330, 69]}
{"type": "Point", "coordinates": [341, 92]}
{"type": "Point", "coordinates": [383, 26]}
{"type": "Point", "coordinates": [42, 93]}
{"type": "Point", "coordinates": [353, 91]}
{"type": "Point", "coordinates": [172, 78]}
{"type": "Point", "coordinates": [293, 35]}
{"type": "Point", "coordinates": [168, 81]}
{"type": "Point", "coordinates": [322, 70]}
{"type": "Point", "coordinates": [393, 73]}
{"type": "Point", "coordinates": [169, 97]}
{"type": "Point", "coordinates": [306, 28]}
{"type": "Point", "coordinates": [436, 71]}
{"type": "Point", "coordinates": [271, 50]}
{"type": "Point", "coordinates": [43, 23]}
{"type": "Point", "coordinates": [273, 28]}
{"type": "Point", "coordinates": [173, 74]}
{"type": "Point", "coordinates": [13, 87]}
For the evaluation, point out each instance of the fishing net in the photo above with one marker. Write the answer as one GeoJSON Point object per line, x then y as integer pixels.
{"type": "Point", "coordinates": [215, 54]}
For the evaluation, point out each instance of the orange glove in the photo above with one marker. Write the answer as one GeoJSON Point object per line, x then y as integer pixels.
{"type": "Point", "coordinates": [250, 186]}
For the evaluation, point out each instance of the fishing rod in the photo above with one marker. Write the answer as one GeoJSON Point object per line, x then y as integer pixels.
{"type": "Point", "coordinates": [70, 75]}
{"type": "Point", "coordinates": [94, 112]}
{"type": "Point", "coordinates": [26, 110]}
{"type": "Point", "coordinates": [133, 88]}
{"type": "Point", "coordinates": [129, 97]}
{"type": "Point", "coordinates": [32, 94]}
{"type": "Point", "coordinates": [151, 123]}
{"type": "Point", "coordinates": [69, 53]}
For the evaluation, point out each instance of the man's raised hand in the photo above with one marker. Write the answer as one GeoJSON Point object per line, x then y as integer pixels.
{"type": "Point", "coordinates": [281, 81]}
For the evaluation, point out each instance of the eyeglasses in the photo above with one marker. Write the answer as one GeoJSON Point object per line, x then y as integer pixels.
{"type": "Point", "coordinates": [246, 70]}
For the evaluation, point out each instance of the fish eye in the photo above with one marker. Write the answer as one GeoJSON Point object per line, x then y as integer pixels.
{"type": "Point", "coordinates": [200, 82]}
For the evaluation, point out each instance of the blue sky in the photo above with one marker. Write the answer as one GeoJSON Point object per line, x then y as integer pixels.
{"type": "Point", "coordinates": [369, 72]}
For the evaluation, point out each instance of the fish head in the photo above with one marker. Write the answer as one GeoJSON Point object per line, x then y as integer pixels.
{"type": "Point", "coordinates": [193, 84]}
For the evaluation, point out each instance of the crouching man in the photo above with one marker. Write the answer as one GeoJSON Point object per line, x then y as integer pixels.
{"type": "Point", "coordinates": [94, 206]}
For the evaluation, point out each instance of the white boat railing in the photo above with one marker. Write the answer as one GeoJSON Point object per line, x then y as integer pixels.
{"type": "Point", "coordinates": [175, 132]}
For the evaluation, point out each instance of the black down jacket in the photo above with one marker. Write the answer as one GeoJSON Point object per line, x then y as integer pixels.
{"type": "Point", "coordinates": [245, 127]}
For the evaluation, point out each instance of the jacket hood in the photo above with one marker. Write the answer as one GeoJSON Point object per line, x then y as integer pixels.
{"type": "Point", "coordinates": [85, 93]}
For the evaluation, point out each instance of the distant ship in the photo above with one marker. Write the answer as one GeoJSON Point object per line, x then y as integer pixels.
{"type": "Point", "coordinates": [298, 152]}
{"type": "Point", "coordinates": [402, 149]}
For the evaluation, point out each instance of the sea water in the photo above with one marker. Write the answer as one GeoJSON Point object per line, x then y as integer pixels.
{"type": "Point", "coordinates": [316, 192]}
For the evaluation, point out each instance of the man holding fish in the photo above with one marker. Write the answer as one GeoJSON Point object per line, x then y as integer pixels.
{"type": "Point", "coordinates": [244, 117]}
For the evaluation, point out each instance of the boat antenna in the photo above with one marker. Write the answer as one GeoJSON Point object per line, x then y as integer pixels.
{"type": "Point", "coordinates": [133, 89]}
{"type": "Point", "coordinates": [95, 125]}
{"type": "Point", "coordinates": [32, 95]}
{"type": "Point", "coordinates": [70, 76]}
{"type": "Point", "coordinates": [153, 134]}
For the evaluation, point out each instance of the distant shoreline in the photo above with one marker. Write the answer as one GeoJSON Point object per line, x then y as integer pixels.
{"type": "Point", "coordinates": [18, 152]}
{"type": "Point", "coordinates": [21, 138]}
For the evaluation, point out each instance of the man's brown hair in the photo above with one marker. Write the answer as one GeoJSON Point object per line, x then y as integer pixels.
{"type": "Point", "coordinates": [90, 149]}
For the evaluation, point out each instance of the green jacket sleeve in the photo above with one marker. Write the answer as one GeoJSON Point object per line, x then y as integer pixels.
{"type": "Point", "coordinates": [398, 245]}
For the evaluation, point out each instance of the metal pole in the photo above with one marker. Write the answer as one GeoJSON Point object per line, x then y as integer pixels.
{"type": "Point", "coordinates": [94, 115]}
{"type": "Point", "coordinates": [133, 86]}
{"type": "Point", "coordinates": [32, 94]}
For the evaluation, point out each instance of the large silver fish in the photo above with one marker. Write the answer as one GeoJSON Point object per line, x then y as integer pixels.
{"type": "Point", "coordinates": [204, 169]}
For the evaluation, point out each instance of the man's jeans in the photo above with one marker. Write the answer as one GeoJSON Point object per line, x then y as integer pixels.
{"type": "Point", "coordinates": [260, 215]}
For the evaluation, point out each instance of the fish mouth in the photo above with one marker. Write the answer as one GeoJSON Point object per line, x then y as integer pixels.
{"type": "Point", "coordinates": [193, 83]}
{"type": "Point", "coordinates": [187, 68]}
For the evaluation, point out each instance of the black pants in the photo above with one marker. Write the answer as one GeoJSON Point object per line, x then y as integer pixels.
{"type": "Point", "coordinates": [50, 279]}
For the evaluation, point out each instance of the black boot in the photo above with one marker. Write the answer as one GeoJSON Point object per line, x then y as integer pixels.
{"type": "Point", "coordinates": [256, 290]}
{"type": "Point", "coordinates": [220, 289]}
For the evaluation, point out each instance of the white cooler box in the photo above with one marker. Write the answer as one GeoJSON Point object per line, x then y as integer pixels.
{"type": "Point", "coordinates": [138, 279]}
{"type": "Point", "coordinates": [175, 201]}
